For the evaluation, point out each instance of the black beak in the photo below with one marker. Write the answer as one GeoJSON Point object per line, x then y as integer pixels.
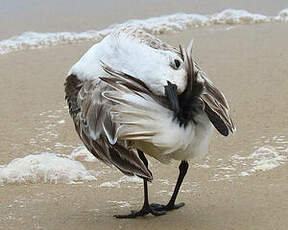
{"type": "Point", "coordinates": [171, 93]}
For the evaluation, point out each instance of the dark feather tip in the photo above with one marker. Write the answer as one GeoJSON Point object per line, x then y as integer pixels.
{"type": "Point", "coordinates": [217, 122]}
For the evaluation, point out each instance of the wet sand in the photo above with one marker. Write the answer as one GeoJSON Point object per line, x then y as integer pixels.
{"type": "Point", "coordinates": [249, 63]}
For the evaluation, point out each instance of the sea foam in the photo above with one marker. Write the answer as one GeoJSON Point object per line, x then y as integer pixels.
{"type": "Point", "coordinates": [263, 159]}
{"type": "Point", "coordinates": [156, 25]}
{"type": "Point", "coordinates": [44, 168]}
{"type": "Point", "coordinates": [82, 154]}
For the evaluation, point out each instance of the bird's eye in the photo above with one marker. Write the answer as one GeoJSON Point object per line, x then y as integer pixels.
{"type": "Point", "coordinates": [177, 63]}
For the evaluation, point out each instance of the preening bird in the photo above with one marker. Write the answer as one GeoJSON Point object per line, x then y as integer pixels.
{"type": "Point", "coordinates": [132, 94]}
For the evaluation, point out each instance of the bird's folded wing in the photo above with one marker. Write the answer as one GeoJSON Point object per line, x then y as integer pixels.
{"type": "Point", "coordinates": [216, 106]}
{"type": "Point", "coordinates": [98, 132]}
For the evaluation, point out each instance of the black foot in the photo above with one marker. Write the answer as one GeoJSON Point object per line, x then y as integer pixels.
{"type": "Point", "coordinates": [143, 212]}
{"type": "Point", "coordinates": [168, 207]}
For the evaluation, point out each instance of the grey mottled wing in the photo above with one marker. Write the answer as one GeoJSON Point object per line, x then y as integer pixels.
{"type": "Point", "coordinates": [91, 115]}
{"type": "Point", "coordinates": [216, 106]}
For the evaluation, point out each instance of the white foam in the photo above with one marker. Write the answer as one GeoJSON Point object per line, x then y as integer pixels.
{"type": "Point", "coordinates": [266, 158]}
{"type": "Point", "coordinates": [263, 159]}
{"type": "Point", "coordinates": [156, 25]}
{"type": "Point", "coordinates": [122, 204]}
{"type": "Point", "coordinates": [128, 179]}
{"type": "Point", "coordinates": [82, 154]}
{"type": "Point", "coordinates": [44, 168]}
{"type": "Point", "coordinates": [124, 179]}
{"type": "Point", "coordinates": [110, 184]}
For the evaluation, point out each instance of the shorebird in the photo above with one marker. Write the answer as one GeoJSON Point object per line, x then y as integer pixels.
{"type": "Point", "coordinates": [133, 95]}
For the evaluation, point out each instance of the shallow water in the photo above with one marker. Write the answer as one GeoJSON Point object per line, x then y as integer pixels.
{"type": "Point", "coordinates": [157, 25]}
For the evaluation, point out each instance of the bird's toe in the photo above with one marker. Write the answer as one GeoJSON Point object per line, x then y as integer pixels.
{"type": "Point", "coordinates": [168, 207]}
{"type": "Point", "coordinates": [143, 212]}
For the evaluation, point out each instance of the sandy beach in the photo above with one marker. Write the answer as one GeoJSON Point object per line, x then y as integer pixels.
{"type": "Point", "coordinates": [240, 184]}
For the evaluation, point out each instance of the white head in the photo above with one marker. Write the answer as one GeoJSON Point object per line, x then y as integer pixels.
{"type": "Point", "coordinates": [130, 55]}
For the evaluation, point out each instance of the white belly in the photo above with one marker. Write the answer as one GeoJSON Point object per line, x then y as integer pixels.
{"type": "Point", "coordinates": [189, 142]}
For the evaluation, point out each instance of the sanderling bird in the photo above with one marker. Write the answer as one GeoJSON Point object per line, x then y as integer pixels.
{"type": "Point", "coordinates": [132, 94]}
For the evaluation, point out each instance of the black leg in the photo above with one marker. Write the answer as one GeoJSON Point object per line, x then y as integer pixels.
{"type": "Point", "coordinates": [183, 167]}
{"type": "Point", "coordinates": [146, 209]}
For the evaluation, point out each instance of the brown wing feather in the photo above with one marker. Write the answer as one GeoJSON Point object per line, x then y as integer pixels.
{"type": "Point", "coordinates": [94, 126]}
{"type": "Point", "coordinates": [216, 104]}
